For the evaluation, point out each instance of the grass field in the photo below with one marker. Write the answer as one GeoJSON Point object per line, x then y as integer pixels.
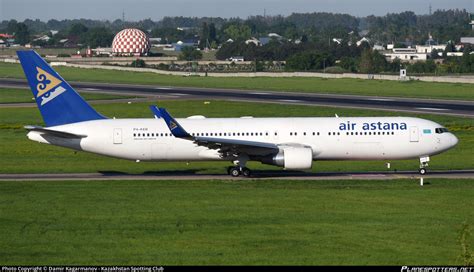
{"type": "Point", "coordinates": [42, 51]}
{"type": "Point", "coordinates": [245, 222]}
{"type": "Point", "coordinates": [8, 95]}
{"type": "Point", "coordinates": [313, 85]}
{"type": "Point", "coordinates": [20, 155]}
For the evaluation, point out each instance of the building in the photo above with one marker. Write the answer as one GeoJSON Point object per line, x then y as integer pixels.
{"type": "Point", "coordinates": [254, 41]}
{"type": "Point", "coordinates": [131, 42]}
{"type": "Point", "coordinates": [406, 55]}
{"type": "Point", "coordinates": [472, 21]}
{"type": "Point", "coordinates": [469, 40]}
{"type": "Point", "coordinates": [364, 39]}
{"type": "Point", "coordinates": [180, 45]}
{"type": "Point", "coordinates": [429, 48]}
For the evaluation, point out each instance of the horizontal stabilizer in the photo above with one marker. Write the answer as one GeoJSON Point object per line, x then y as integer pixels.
{"type": "Point", "coordinates": [55, 133]}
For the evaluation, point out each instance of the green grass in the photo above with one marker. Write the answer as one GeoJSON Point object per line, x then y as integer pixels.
{"type": "Point", "coordinates": [312, 85]}
{"type": "Point", "coordinates": [8, 95]}
{"type": "Point", "coordinates": [42, 51]}
{"type": "Point", "coordinates": [246, 222]}
{"type": "Point", "coordinates": [20, 155]}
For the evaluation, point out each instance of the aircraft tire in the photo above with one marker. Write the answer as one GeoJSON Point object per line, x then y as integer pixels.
{"type": "Point", "coordinates": [235, 172]}
{"type": "Point", "coordinates": [246, 172]}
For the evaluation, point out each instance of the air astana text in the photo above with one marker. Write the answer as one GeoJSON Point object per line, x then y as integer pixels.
{"type": "Point", "coordinates": [372, 126]}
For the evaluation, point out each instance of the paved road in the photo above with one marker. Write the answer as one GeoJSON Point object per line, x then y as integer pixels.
{"type": "Point", "coordinates": [432, 106]}
{"type": "Point", "coordinates": [261, 175]}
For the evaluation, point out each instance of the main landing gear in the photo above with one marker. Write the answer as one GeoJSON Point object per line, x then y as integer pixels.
{"type": "Point", "coordinates": [239, 168]}
{"type": "Point", "coordinates": [423, 164]}
{"type": "Point", "coordinates": [236, 171]}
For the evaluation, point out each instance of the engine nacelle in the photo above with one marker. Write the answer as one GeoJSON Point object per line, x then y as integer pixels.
{"type": "Point", "coordinates": [292, 158]}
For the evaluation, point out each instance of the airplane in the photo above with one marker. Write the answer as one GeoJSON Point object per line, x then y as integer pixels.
{"type": "Point", "coordinates": [291, 143]}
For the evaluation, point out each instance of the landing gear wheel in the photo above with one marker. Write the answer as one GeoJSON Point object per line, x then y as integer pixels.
{"type": "Point", "coordinates": [422, 171]}
{"type": "Point", "coordinates": [235, 172]}
{"type": "Point", "coordinates": [246, 172]}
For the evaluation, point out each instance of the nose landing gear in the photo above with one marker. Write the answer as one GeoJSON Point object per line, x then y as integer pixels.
{"type": "Point", "coordinates": [423, 164]}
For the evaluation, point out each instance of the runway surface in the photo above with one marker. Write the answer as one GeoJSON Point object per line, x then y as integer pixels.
{"type": "Point", "coordinates": [260, 175]}
{"type": "Point", "coordinates": [431, 106]}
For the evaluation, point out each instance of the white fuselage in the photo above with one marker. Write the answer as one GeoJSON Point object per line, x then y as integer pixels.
{"type": "Point", "coordinates": [358, 138]}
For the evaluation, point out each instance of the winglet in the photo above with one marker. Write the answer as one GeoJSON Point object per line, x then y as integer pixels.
{"type": "Point", "coordinates": [176, 129]}
{"type": "Point", "coordinates": [156, 111]}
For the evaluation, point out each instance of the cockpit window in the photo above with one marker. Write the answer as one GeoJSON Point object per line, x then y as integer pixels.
{"type": "Point", "coordinates": [441, 130]}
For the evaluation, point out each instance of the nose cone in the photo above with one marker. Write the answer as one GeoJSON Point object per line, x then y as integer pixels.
{"type": "Point", "coordinates": [454, 140]}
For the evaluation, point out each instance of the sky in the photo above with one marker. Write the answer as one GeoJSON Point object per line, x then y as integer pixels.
{"type": "Point", "coordinates": [136, 10]}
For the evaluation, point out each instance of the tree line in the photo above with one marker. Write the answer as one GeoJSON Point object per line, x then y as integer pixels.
{"type": "Point", "coordinates": [307, 38]}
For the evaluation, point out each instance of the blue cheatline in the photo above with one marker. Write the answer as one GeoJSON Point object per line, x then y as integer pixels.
{"type": "Point", "coordinates": [57, 101]}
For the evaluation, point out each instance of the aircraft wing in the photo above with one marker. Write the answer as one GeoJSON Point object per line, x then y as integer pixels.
{"type": "Point", "coordinates": [226, 147]}
{"type": "Point", "coordinates": [55, 133]}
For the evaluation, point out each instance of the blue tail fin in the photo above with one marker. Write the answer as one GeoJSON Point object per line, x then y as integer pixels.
{"type": "Point", "coordinates": [57, 101]}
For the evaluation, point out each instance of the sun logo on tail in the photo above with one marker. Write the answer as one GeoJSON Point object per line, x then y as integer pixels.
{"type": "Point", "coordinates": [45, 82]}
{"type": "Point", "coordinates": [173, 125]}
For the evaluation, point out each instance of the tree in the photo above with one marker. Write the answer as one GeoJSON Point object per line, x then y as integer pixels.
{"type": "Point", "coordinates": [204, 36]}
{"type": "Point", "coordinates": [77, 29]}
{"type": "Point", "coordinates": [366, 64]}
{"type": "Point", "coordinates": [12, 26]}
{"type": "Point", "coordinates": [467, 61]}
{"type": "Point", "coordinates": [189, 53]}
{"type": "Point", "coordinates": [138, 63]}
{"type": "Point", "coordinates": [308, 61]}
{"type": "Point", "coordinates": [349, 63]}
{"type": "Point", "coordinates": [238, 32]}
{"type": "Point", "coordinates": [371, 61]}
{"type": "Point", "coordinates": [22, 34]}
{"type": "Point", "coordinates": [212, 33]}
{"type": "Point", "coordinates": [99, 37]}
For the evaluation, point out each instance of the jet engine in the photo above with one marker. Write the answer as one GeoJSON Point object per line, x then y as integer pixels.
{"type": "Point", "coordinates": [292, 158]}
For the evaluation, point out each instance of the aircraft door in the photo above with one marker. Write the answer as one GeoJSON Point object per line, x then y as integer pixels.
{"type": "Point", "coordinates": [117, 135]}
{"type": "Point", "coordinates": [414, 135]}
